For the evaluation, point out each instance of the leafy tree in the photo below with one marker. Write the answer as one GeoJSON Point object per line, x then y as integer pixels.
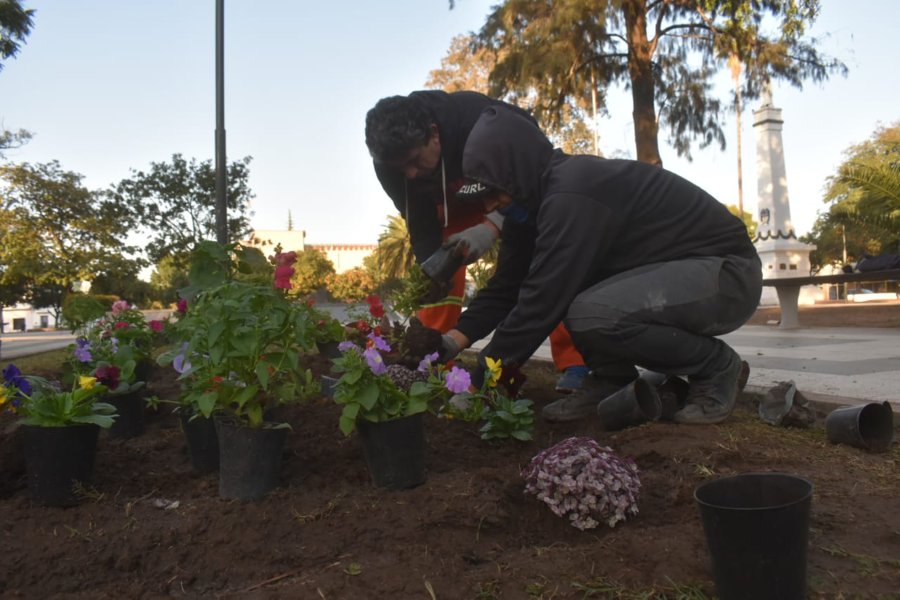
{"type": "Point", "coordinates": [667, 53]}
{"type": "Point", "coordinates": [58, 231]}
{"type": "Point", "coordinates": [352, 285]}
{"type": "Point", "coordinates": [15, 25]}
{"type": "Point", "coordinates": [169, 276]}
{"type": "Point", "coordinates": [394, 254]}
{"type": "Point", "coordinates": [311, 271]}
{"type": "Point", "coordinates": [863, 200]}
{"type": "Point", "coordinates": [126, 285]}
{"type": "Point", "coordinates": [466, 67]}
{"type": "Point", "coordinates": [175, 203]}
{"type": "Point", "coordinates": [13, 139]}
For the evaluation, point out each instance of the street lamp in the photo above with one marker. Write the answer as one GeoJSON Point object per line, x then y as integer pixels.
{"type": "Point", "coordinates": [221, 206]}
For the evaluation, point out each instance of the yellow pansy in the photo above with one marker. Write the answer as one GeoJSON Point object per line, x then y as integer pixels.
{"type": "Point", "coordinates": [3, 393]}
{"type": "Point", "coordinates": [87, 382]}
{"type": "Point", "coordinates": [494, 368]}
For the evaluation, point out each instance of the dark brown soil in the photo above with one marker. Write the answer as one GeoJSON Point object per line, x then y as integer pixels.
{"type": "Point", "coordinates": [468, 532]}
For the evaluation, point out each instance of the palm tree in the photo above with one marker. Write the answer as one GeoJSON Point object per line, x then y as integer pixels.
{"type": "Point", "coordinates": [394, 253]}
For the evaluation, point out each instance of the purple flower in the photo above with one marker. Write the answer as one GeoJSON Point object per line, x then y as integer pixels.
{"type": "Point", "coordinates": [375, 362]}
{"type": "Point", "coordinates": [83, 353]}
{"type": "Point", "coordinates": [425, 363]}
{"type": "Point", "coordinates": [82, 343]}
{"type": "Point", "coordinates": [181, 363]}
{"type": "Point", "coordinates": [345, 346]}
{"type": "Point", "coordinates": [458, 380]}
{"type": "Point", "coordinates": [14, 378]}
{"type": "Point", "coordinates": [379, 342]}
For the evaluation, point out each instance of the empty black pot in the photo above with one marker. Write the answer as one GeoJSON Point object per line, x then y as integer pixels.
{"type": "Point", "coordinates": [868, 426]}
{"type": "Point", "coordinates": [634, 404]}
{"type": "Point", "coordinates": [756, 527]}
{"type": "Point", "coordinates": [394, 451]}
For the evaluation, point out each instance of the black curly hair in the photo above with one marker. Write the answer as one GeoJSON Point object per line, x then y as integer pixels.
{"type": "Point", "coordinates": [396, 125]}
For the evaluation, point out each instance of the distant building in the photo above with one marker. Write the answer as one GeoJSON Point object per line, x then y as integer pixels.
{"type": "Point", "coordinates": [343, 256]}
{"type": "Point", "coordinates": [24, 317]}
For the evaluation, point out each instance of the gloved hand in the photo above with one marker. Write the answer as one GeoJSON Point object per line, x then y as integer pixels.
{"type": "Point", "coordinates": [474, 241]}
{"type": "Point", "coordinates": [449, 348]}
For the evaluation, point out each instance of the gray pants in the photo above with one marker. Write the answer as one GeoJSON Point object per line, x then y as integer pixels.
{"type": "Point", "coordinates": [663, 316]}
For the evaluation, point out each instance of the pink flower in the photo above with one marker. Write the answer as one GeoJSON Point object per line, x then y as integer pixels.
{"type": "Point", "coordinates": [181, 305]}
{"type": "Point", "coordinates": [156, 325]}
{"type": "Point", "coordinates": [121, 325]}
{"type": "Point", "coordinates": [119, 307]}
{"type": "Point", "coordinates": [285, 259]}
{"type": "Point", "coordinates": [283, 276]}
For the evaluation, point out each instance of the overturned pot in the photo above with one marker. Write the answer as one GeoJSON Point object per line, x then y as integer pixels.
{"type": "Point", "coordinates": [636, 403]}
{"type": "Point", "coordinates": [867, 426]}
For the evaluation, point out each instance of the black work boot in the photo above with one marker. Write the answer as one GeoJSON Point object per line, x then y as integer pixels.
{"type": "Point", "coordinates": [583, 402]}
{"type": "Point", "coordinates": [712, 399]}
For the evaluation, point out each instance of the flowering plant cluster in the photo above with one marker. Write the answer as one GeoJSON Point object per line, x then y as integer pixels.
{"type": "Point", "coordinates": [584, 481]}
{"type": "Point", "coordinates": [240, 338]}
{"type": "Point", "coordinates": [42, 403]}
{"type": "Point", "coordinates": [366, 390]}
{"type": "Point", "coordinates": [112, 348]}
{"type": "Point", "coordinates": [495, 403]}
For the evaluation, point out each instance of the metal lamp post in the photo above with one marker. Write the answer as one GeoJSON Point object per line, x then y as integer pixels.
{"type": "Point", "coordinates": [221, 180]}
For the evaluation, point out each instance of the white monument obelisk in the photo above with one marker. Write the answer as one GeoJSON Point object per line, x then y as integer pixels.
{"type": "Point", "coordinates": [781, 253]}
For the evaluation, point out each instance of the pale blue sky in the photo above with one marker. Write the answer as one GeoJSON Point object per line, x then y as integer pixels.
{"type": "Point", "coordinates": [108, 85]}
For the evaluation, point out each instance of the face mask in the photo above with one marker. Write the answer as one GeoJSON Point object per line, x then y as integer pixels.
{"type": "Point", "coordinates": [515, 212]}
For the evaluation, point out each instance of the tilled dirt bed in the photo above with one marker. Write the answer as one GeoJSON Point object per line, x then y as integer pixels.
{"type": "Point", "coordinates": [150, 528]}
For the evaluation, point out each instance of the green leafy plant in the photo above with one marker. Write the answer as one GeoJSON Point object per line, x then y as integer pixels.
{"type": "Point", "coordinates": [241, 337]}
{"type": "Point", "coordinates": [40, 402]}
{"type": "Point", "coordinates": [367, 392]}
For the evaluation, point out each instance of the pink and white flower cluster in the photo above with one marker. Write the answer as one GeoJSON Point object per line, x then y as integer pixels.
{"type": "Point", "coordinates": [584, 481]}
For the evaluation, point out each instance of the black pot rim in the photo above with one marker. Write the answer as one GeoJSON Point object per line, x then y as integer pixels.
{"type": "Point", "coordinates": [722, 480]}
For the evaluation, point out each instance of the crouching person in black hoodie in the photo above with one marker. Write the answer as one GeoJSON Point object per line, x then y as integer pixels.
{"type": "Point", "coordinates": [644, 267]}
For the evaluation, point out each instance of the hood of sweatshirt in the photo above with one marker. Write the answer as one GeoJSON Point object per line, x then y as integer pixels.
{"type": "Point", "coordinates": [508, 152]}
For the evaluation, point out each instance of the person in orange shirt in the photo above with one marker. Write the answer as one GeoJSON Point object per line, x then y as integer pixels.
{"type": "Point", "coordinates": [416, 143]}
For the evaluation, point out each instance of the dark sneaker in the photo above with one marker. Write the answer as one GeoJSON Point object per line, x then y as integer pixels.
{"type": "Point", "coordinates": [572, 379]}
{"type": "Point", "coordinates": [744, 376]}
{"type": "Point", "coordinates": [581, 403]}
{"type": "Point", "coordinates": [712, 400]}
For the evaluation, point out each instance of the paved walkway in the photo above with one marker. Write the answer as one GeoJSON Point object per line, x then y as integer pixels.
{"type": "Point", "coordinates": [845, 365]}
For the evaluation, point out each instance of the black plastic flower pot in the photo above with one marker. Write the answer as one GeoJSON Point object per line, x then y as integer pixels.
{"type": "Point", "coordinates": [394, 451]}
{"type": "Point", "coordinates": [57, 460]}
{"type": "Point", "coordinates": [130, 420]}
{"type": "Point", "coordinates": [202, 442]}
{"type": "Point", "coordinates": [328, 349]}
{"type": "Point", "coordinates": [756, 527]}
{"type": "Point", "coordinates": [328, 385]}
{"type": "Point", "coordinates": [249, 459]}
{"type": "Point", "coordinates": [868, 426]}
{"type": "Point", "coordinates": [634, 404]}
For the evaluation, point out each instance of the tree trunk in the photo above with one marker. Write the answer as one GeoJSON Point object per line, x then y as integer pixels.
{"type": "Point", "coordinates": [640, 70]}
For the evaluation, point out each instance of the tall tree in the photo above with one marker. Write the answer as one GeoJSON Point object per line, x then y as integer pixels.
{"type": "Point", "coordinates": [863, 200]}
{"type": "Point", "coordinates": [666, 52]}
{"type": "Point", "coordinates": [467, 67]}
{"type": "Point", "coordinates": [394, 255]}
{"type": "Point", "coordinates": [311, 271]}
{"type": "Point", "coordinates": [15, 24]}
{"type": "Point", "coordinates": [169, 276]}
{"type": "Point", "coordinates": [175, 203]}
{"type": "Point", "coordinates": [61, 232]}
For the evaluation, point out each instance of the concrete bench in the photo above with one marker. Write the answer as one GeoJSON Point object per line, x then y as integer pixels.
{"type": "Point", "coordinates": [788, 289]}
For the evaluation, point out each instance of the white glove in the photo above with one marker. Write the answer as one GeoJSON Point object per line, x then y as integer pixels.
{"type": "Point", "coordinates": [474, 241]}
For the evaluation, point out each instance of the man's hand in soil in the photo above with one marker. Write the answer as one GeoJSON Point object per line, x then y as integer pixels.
{"type": "Point", "coordinates": [477, 240]}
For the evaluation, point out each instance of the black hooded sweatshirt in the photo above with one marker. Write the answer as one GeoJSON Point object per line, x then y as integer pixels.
{"type": "Point", "coordinates": [588, 219]}
{"type": "Point", "coordinates": [454, 114]}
